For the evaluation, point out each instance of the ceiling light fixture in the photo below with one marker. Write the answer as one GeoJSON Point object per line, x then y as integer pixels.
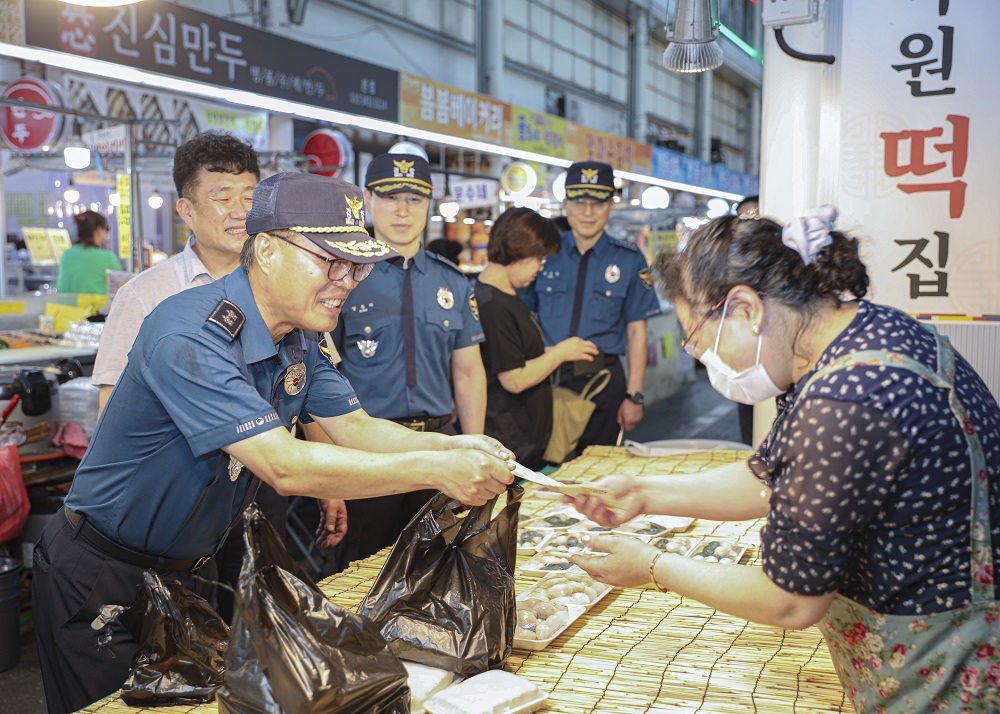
{"type": "Point", "coordinates": [101, 3]}
{"type": "Point", "coordinates": [692, 28]}
{"type": "Point", "coordinates": [109, 70]}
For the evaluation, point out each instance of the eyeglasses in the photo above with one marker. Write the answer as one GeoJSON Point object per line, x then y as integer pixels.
{"type": "Point", "coordinates": [338, 269]}
{"type": "Point", "coordinates": [686, 344]}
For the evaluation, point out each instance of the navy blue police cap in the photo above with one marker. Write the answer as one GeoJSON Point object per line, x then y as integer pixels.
{"type": "Point", "coordinates": [327, 211]}
{"type": "Point", "coordinates": [590, 179]}
{"type": "Point", "coordinates": [394, 173]}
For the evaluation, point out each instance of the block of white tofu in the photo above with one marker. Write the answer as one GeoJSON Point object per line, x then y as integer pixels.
{"type": "Point", "coordinates": [425, 682]}
{"type": "Point", "coordinates": [494, 692]}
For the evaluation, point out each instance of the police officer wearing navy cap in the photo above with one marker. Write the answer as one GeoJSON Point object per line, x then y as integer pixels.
{"type": "Point", "coordinates": [597, 288]}
{"type": "Point", "coordinates": [201, 415]}
{"type": "Point", "coordinates": [405, 336]}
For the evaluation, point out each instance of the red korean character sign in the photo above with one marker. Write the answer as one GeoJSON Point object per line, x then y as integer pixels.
{"type": "Point", "coordinates": [919, 168]}
{"type": "Point", "coordinates": [31, 129]}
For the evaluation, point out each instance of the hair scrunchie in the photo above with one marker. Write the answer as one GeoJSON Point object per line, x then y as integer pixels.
{"type": "Point", "coordinates": [809, 234]}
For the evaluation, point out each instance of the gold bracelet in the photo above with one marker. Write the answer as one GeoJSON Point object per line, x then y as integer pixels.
{"type": "Point", "coordinates": [652, 572]}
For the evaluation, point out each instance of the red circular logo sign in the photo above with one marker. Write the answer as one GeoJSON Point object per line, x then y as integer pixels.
{"type": "Point", "coordinates": [328, 149]}
{"type": "Point", "coordinates": [30, 129]}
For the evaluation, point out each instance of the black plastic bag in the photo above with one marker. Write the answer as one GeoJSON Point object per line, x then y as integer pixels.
{"type": "Point", "coordinates": [445, 596]}
{"type": "Point", "coordinates": [292, 650]}
{"type": "Point", "coordinates": [182, 650]}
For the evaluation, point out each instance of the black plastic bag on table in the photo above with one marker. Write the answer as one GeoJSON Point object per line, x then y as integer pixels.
{"type": "Point", "coordinates": [445, 596]}
{"type": "Point", "coordinates": [291, 650]}
{"type": "Point", "coordinates": [182, 646]}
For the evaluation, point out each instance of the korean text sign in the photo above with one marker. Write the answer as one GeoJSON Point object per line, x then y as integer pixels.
{"type": "Point", "coordinates": [919, 166]}
{"type": "Point", "coordinates": [170, 39]}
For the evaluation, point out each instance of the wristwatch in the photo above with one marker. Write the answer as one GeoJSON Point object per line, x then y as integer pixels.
{"type": "Point", "coordinates": [636, 397]}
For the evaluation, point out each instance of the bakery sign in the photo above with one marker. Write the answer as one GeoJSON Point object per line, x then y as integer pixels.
{"type": "Point", "coordinates": [169, 39]}
{"type": "Point", "coordinates": [31, 129]}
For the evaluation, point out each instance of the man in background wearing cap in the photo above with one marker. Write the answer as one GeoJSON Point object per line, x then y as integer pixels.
{"type": "Point", "coordinates": [215, 174]}
{"type": "Point", "coordinates": [405, 336]}
{"type": "Point", "coordinates": [597, 288]}
{"type": "Point", "coordinates": [216, 378]}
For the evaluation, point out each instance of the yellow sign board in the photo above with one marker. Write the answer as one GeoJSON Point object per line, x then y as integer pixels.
{"type": "Point", "coordinates": [124, 217]}
{"type": "Point", "coordinates": [39, 246]}
{"type": "Point", "coordinates": [62, 315]}
{"type": "Point", "coordinates": [60, 242]}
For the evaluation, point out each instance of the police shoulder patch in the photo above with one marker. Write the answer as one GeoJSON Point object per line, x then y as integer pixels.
{"type": "Point", "coordinates": [622, 243]}
{"type": "Point", "coordinates": [229, 317]}
{"type": "Point", "coordinates": [443, 261]}
{"type": "Point", "coordinates": [646, 278]}
{"type": "Point", "coordinates": [474, 306]}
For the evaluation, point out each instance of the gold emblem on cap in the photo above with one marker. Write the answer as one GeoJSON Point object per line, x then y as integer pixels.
{"type": "Point", "coordinates": [371, 248]}
{"type": "Point", "coordinates": [612, 273]}
{"type": "Point", "coordinates": [403, 168]}
{"type": "Point", "coordinates": [355, 211]}
{"type": "Point", "coordinates": [588, 175]}
{"type": "Point", "coordinates": [295, 379]}
{"type": "Point", "coordinates": [235, 466]}
{"type": "Point", "coordinates": [446, 298]}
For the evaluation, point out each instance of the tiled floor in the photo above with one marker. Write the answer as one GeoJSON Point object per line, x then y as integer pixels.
{"type": "Point", "coordinates": [696, 411]}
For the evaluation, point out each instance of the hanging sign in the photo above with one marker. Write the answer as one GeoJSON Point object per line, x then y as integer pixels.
{"type": "Point", "coordinates": [29, 130]}
{"type": "Point", "coordinates": [124, 217]}
{"type": "Point", "coordinates": [329, 151]}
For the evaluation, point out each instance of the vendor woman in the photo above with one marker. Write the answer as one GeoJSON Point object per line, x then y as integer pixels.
{"type": "Point", "coordinates": [879, 481]}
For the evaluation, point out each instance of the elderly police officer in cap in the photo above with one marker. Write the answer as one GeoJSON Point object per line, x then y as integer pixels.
{"type": "Point", "coordinates": [597, 288]}
{"type": "Point", "coordinates": [201, 415]}
{"type": "Point", "coordinates": [405, 336]}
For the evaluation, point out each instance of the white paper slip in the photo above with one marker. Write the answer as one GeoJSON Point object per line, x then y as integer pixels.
{"type": "Point", "coordinates": [567, 489]}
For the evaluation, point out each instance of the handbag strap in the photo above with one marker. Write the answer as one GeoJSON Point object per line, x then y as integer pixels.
{"type": "Point", "coordinates": [596, 384]}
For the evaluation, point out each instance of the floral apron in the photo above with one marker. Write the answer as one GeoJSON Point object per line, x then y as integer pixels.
{"type": "Point", "coordinates": [943, 662]}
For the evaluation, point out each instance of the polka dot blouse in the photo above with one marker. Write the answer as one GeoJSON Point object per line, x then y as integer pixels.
{"type": "Point", "coordinates": [870, 476]}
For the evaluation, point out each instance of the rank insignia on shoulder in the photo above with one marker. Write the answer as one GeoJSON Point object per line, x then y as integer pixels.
{"type": "Point", "coordinates": [623, 243]}
{"type": "Point", "coordinates": [328, 349]}
{"type": "Point", "coordinates": [229, 317]}
{"type": "Point", "coordinates": [474, 306]}
{"type": "Point", "coordinates": [646, 278]}
{"type": "Point", "coordinates": [446, 298]}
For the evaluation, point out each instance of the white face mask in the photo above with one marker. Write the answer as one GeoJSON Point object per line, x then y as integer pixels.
{"type": "Point", "coordinates": [751, 386]}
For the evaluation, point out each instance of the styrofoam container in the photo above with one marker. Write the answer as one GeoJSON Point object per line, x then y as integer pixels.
{"type": "Point", "coordinates": [493, 692]}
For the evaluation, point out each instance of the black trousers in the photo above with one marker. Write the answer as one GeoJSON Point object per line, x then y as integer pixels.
{"type": "Point", "coordinates": [229, 559]}
{"type": "Point", "coordinates": [376, 523]}
{"type": "Point", "coordinates": [602, 429]}
{"type": "Point", "coordinates": [71, 580]}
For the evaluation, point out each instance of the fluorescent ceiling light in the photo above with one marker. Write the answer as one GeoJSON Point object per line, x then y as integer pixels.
{"type": "Point", "coordinates": [101, 3]}
{"type": "Point", "coordinates": [109, 70]}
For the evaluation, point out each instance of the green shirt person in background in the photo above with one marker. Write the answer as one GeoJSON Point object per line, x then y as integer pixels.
{"type": "Point", "coordinates": [82, 267]}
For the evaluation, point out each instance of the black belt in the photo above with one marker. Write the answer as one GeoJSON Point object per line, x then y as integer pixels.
{"type": "Point", "coordinates": [127, 555]}
{"type": "Point", "coordinates": [424, 423]}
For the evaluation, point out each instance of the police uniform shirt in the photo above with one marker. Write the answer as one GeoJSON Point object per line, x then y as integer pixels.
{"type": "Point", "coordinates": [154, 478]}
{"type": "Point", "coordinates": [617, 291]}
{"type": "Point", "coordinates": [370, 336]}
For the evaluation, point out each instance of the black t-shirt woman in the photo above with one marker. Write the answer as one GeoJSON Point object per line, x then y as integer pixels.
{"type": "Point", "coordinates": [518, 364]}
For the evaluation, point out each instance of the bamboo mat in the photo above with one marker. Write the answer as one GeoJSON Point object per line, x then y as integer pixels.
{"type": "Point", "coordinates": [639, 650]}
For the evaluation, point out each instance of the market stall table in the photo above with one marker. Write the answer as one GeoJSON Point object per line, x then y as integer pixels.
{"type": "Point", "coordinates": [639, 650]}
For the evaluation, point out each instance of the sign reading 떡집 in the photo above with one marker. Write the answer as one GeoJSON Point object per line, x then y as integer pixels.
{"type": "Point", "coordinates": [170, 39]}
{"type": "Point", "coordinates": [919, 165]}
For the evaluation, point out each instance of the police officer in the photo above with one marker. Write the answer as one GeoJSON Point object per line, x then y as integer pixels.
{"type": "Point", "coordinates": [597, 288]}
{"type": "Point", "coordinates": [217, 376]}
{"type": "Point", "coordinates": [405, 336]}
